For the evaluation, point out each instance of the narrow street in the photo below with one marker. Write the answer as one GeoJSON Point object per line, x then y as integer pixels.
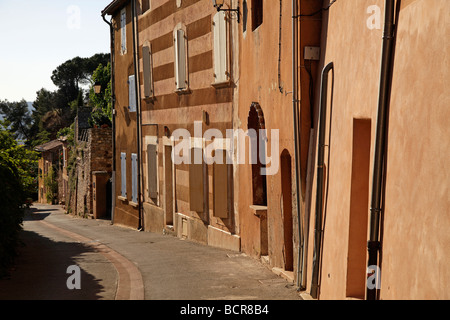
{"type": "Point", "coordinates": [117, 263]}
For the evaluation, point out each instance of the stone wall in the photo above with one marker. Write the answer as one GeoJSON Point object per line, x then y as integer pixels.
{"type": "Point", "coordinates": [93, 155]}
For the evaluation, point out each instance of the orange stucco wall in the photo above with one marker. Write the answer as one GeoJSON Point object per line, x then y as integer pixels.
{"type": "Point", "coordinates": [414, 236]}
{"type": "Point", "coordinates": [416, 239]}
{"type": "Point", "coordinates": [126, 133]}
{"type": "Point", "coordinates": [259, 53]}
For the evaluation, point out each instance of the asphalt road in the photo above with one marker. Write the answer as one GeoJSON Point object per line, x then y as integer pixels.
{"type": "Point", "coordinates": [117, 263]}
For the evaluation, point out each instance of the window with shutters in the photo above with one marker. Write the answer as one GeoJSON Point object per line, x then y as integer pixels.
{"type": "Point", "coordinates": [123, 174]}
{"type": "Point", "coordinates": [148, 71]}
{"type": "Point", "coordinates": [221, 48]}
{"type": "Point", "coordinates": [181, 72]}
{"type": "Point", "coordinates": [196, 177]}
{"type": "Point", "coordinates": [134, 178]}
{"type": "Point", "coordinates": [123, 31]}
{"type": "Point", "coordinates": [132, 93]}
{"type": "Point", "coordinates": [257, 13]}
{"type": "Point", "coordinates": [221, 186]}
{"type": "Point", "coordinates": [152, 172]}
{"type": "Point", "coordinates": [145, 5]}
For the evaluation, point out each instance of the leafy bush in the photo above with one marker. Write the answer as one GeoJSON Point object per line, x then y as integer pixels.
{"type": "Point", "coordinates": [11, 212]}
{"type": "Point", "coordinates": [101, 103]}
{"type": "Point", "coordinates": [18, 183]}
{"type": "Point", "coordinates": [51, 185]}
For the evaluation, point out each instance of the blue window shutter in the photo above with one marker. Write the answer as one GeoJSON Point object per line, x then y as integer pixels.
{"type": "Point", "coordinates": [132, 93]}
{"type": "Point", "coordinates": [123, 173]}
{"type": "Point", "coordinates": [134, 185]}
{"type": "Point", "coordinates": [123, 27]}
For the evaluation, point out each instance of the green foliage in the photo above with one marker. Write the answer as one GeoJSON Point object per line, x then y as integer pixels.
{"type": "Point", "coordinates": [40, 138]}
{"type": "Point", "coordinates": [45, 102]}
{"type": "Point", "coordinates": [24, 160]}
{"type": "Point", "coordinates": [18, 169]}
{"type": "Point", "coordinates": [78, 70]}
{"type": "Point", "coordinates": [58, 109]}
{"type": "Point", "coordinates": [52, 116]}
{"type": "Point", "coordinates": [101, 102]}
{"type": "Point", "coordinates": [51, 184]}
{"type": "Point", "coordinates": [18, 118]}
{"type": "Point", "coordinates": [69, 133]}
{"type": "Point", "coordinates": [11, 213]}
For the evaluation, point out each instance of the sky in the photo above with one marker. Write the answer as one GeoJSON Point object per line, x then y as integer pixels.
{"type": "Point", "coordinates": [36, 36]}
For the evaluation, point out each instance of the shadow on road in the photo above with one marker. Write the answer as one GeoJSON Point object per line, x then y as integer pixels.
{"type": "Point", "coordinates": [33, 214]}
{"type": "Point", "coordinates": [40, 271]}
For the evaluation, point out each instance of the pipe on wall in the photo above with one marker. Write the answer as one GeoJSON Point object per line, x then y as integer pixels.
{"type": "Point", "coordinates": [113, 120]}
{"type": "Point", "coordinates": [319, 192]}
{"type": "Point", "coordinates": [138, 108]}
{"type": "Point", "coordinates": [297, 139]}
{"type": "Point", "coordinates": [373, 245]}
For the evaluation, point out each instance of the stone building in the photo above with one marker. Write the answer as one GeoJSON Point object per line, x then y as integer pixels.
{"type": "Point", "coordinates": [49, 163]}
{"type": "Point", "coordinates": [93, 157]}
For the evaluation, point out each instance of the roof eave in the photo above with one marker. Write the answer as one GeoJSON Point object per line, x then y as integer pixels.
{"type": "Point", "coordinates": [113, 7]}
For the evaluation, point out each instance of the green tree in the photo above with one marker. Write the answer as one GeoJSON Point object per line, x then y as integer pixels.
{"type": "Point", "coordinates": [24, 160]}
{"type": "Point", "coordinates": [51, 184]}
{"type": "Point", "coordinates": [11, 213]}
{"type": "Point", "coordinates": [18, 177]}
{"type": "Point", "coordinates": [18, 118]}
{"type": "Point", "coordinates": [77, 71]}
{"type": "Point", "coordinates": [101, 102]}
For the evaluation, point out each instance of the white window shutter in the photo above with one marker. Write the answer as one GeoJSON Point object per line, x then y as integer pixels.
{"type": "Point", "coordinates": [123, 174]}
{"type": "Point", "coordinates": [132, 93]}
{"type": "Point", "coordinates": [220, 47]}
{"type": "Point", "coordinates": [134, 185]}
{"type": "Point", "coordinates": [148, 77]}
{"type": "Point", "coordinates": [180, 56]}
{"type": "Point", "coordinates": [152, 166]}
{"type": "Point", "coordinates": [123, 29]}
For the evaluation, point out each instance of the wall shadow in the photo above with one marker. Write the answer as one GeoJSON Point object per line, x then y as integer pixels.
{"type": "Point", "coordinates": [33, 214]}
{"type": "Point", "coordinates": [40, 268]}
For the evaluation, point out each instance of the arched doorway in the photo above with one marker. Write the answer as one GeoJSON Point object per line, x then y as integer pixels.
{"type": "Point", "coordinates": [259, 183]}
{"type": "Point", "coordinates": [286, 193]}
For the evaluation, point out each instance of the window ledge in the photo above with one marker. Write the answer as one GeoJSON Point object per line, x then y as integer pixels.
{"type": "Point", "coordinates": [150, 99]}
{"type": "Point", "coordinates": [259, 211]}
{"type": "Point", "coordinates": [133, 204]}
{"type": "Point", "coordinates": [183, 91]}
{"type": "Point", "coordinates": [223, 84]}
{"type": "Point", "coordinates": [122, 198]}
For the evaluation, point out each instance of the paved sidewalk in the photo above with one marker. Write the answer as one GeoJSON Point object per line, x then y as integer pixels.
{"type": "Point", "coordinates": [120, 263]}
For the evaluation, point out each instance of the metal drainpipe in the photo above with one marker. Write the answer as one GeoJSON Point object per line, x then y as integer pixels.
{"type": "Point", "coordinates": [138, 109]}
{"type": "Point", "coordinates": [113, 102]}
{"type": "Point", "coordinates": [296, 138]}
{"type": "Point", "coordinates": [319, 193]}
{"type": "Point", "coordinates": [373, 245]}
